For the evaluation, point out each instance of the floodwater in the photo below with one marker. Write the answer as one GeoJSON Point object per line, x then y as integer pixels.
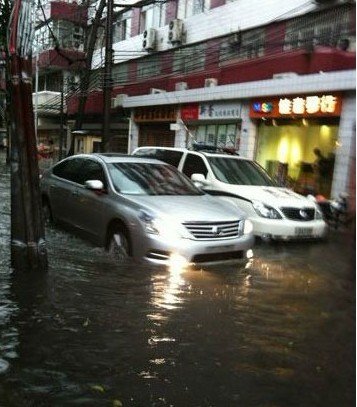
{"type": "Point", "coordinates": [92, 333]}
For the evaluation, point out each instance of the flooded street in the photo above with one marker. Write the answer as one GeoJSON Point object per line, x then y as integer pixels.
{"type": "Point", "coordinates": [280, 333]}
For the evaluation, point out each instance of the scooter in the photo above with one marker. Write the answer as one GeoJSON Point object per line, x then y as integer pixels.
{"type": "Point", "coordinates": [335, 211]}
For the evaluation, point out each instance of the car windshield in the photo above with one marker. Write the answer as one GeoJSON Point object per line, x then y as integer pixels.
{"type": "Point", "coordinates": [150, 179]}
{"type": "Point", "coordinates": [240, 172]}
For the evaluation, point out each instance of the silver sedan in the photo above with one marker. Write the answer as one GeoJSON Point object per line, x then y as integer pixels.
{"type": "Point", "coordinates": [144, 209]}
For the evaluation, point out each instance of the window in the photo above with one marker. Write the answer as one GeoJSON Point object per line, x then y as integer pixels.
{"type": "Point", "coordinates": [327, 28]}
{"type": "Point", "coordinates": [149, 66]}
{"type": "Point", "coordinates": [69, 170]}
{"type": "Point", "coordinates": [120, 73]}
{"type": "Point", "coordinates": [150, 179]}
{"type": "Point", "coordinates": [171, 157]}
{"type": "Point", "coordinates": [122, 27]}
{"type": "Point", "coordinates": [188, 8]}
{"type": "Point", "coordinates": [91, 170]}
{"type": "Point", "coordinates": [239, 172]}
{"type": "Point", "coordinates": [189, 59]}
{"type": "Point", "coordinates": [220, 135]}
{"type": "Point", "coordinates": [152, 16]}
{"type": "Point", "coordinates": [194, 164]}
{"type": "Point", "coordinates": [242, 46]}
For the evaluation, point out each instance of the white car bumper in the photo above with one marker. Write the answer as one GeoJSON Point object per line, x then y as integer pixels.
{"type": "Point", "coordinates": [284, 229]}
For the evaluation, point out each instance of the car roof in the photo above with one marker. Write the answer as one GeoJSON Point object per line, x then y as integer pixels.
{"type": "Point", "coordinates": [208, 153]}
{"type": "Point", "coordinates": [109, 158]}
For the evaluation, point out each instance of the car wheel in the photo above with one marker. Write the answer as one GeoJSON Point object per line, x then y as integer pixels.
{"type": "Point", "coordinates": [47, 213]}
{"type": "Point", "coordinates": [119, 247]}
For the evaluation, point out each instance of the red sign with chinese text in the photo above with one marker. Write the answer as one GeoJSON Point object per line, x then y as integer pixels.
{"type": "Point", "coordinates": [190, 112]}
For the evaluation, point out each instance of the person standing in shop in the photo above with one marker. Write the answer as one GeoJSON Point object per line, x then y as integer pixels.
{"type": "Point", "coordinates": [322, 173]}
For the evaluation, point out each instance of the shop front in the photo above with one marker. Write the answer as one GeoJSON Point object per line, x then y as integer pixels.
{"type": "Point", "coordinates": [297, 139]}
{"type": "Point", "coordinates": [154, 125]}
{"type": "Point", "coordinates": [216, 124]}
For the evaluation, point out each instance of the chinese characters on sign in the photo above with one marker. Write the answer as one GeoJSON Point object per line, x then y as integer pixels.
{"type": "Point", "coordinates": [297, 106]}
{"type": "Point", "coordinates": [309, 104]}
{"type": "Point", "coordinates": [220, 111]}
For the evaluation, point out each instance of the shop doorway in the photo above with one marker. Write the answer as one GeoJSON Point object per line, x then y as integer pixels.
{"type": "Point", "coordinates": [156, 135]}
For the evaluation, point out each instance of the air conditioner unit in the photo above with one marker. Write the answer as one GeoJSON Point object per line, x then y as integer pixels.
{"type": "Point", "coordinates": [211, 82]}
{"type": "Point", "coordinates": [149, 39]}
{"type": "Point", "coordinates": [118, 100]}
{"type": "Point", "coordinates": [181, 86]}
{"type": "Point", "coordinates": [175, 31]}
{"type": "Point", "coordinates": [154, 91]}
{"type": "Point", "coordinates": [235, 39]}
{"type": "Point", "coordinates": [285, 75]}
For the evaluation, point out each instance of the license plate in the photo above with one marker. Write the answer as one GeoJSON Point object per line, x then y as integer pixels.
{"type": "Point", "coordinates": [303, 232]}
{"type": "Point", "coordinates": [227, 248]}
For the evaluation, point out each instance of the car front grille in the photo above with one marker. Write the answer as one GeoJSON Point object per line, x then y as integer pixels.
{"type": "Point", "coordinates": [213, 230]}
{"type": "Point", "coordinates": [302, 214]}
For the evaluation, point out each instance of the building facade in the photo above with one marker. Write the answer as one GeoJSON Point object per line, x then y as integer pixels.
{"type": "Point", "coordinates": [274, 80]}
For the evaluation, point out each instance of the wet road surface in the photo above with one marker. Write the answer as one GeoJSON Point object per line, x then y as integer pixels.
{"type": "Point", "coordinates": [93, 333]}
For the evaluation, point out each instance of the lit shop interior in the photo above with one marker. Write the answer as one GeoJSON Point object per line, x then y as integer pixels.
{"type": "Point", "coordinates": [285, 148]}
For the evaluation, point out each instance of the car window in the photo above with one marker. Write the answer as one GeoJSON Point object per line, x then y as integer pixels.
{"type": "Point", "coordinates": [150, 179]}
{"type": "Point", "coordinates": [239, 172]}
{"type": "Point", "coordinates": [168, 156]}
{"type": "Point", "coordinates": [92, 170]}
{"type": "Point", "coordinates": [194, 164]}
{"type": "Point", "coordinates": [69, 170]}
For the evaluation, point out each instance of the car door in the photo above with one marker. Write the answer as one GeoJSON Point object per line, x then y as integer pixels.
{"type": "Point", "coordinates": [91, 205]}
{"type": "Point", "coordinates": [63, 190]}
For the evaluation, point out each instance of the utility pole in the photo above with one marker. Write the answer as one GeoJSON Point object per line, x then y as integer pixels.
{"type": "Point", "coordinates": [28, 249]}
{"type": "Point", "coordinates": [108, 84]}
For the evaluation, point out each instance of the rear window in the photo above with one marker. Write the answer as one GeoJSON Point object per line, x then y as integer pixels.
{"type": "Point", "coordinates": [171, 157]}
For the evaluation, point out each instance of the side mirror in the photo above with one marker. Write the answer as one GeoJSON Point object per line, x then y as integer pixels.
{"type": "Point", "coordinates": [94, 185]}
{"type": "Point", "coordinates": [199, 180]}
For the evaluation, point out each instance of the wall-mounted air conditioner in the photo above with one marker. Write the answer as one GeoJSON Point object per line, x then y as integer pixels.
{"type": "Point", "coordinates": [176, 31]}
{"type": "Point", "coordinates": [235, 39]}
{"type": "Point", "coordinates": [211, 82]}
{"type": "Point", "coordinates": [118, 100]}
{"type": "Point", "coordinates": [154, 91]}
{"type": "Point", "coordinates": [149, 39]}
{"type": "Point", "coordinates": [181, 86]}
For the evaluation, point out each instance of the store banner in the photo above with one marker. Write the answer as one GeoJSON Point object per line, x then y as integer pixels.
{"type": "Point", "coordinates": [326, 105]}
{"type": "Point", "coordinates": [211, 111]}
{"type": "Point", "coordinates": [220, 111]}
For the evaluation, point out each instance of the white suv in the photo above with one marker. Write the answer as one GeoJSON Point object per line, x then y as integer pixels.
{"type": "Point", "coordinates": [276, 212]}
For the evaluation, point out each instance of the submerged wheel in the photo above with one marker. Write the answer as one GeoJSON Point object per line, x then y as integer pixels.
{"type": "Point", "coordinates": [118, 245]}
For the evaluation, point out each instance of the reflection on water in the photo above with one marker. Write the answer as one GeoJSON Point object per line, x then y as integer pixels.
{"type": "Point", "coordinates": [277, 333]}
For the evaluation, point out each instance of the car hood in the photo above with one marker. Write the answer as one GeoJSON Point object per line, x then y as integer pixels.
{"type": "Point", "coordinates": [273, 196]}
{"type": "Point", "coordinates": [189, 208]}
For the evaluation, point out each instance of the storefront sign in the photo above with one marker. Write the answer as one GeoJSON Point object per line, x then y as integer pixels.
{"type": "Point", "coordinates": [189, 112]}
{"type": "Point", "coordinates": [155, 114]}
{"type": "Point", "coordinates": [211, 111]}
{"type": "Point", "coordinates": [220, 111]}
{"type": "Point", "coordinates": [301, 106]}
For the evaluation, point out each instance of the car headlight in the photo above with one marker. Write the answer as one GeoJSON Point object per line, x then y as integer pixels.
{"type": "Point", "coordinates": [163, 226]}
{"type": "Point", "coordinates": [266, 211]}
{"type": "Point", "coordinates": [247, 227]}
{"type": "Point", "coordinates": [319, 215]}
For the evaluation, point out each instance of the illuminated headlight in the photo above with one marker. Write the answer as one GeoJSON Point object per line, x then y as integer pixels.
{"type": "Point", "coordinates": [248, 227]}
{"type": "Point", "coordinates": [266, 211]}
{"type": "Point", "coordinates": [164, 227]}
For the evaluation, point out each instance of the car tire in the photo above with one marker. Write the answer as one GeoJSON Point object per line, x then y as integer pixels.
{"type": "Point", "coordinates": [47, 213]}
{"type": "Point", "coordinates": [119, 244]}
